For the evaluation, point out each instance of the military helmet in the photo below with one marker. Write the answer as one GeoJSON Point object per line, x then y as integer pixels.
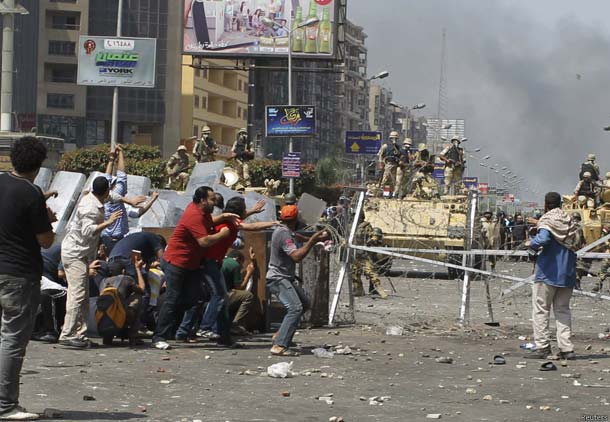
{"type": "Point", "coordinates": [586, 174]}
{"type": "Point", "coordinates": [591, 157]}
{"type": "Point", "coordinates": [421, 147]}
{"type": "Point", "coordinates": [377, 232]}
{"type": "Point", "coordinates": [455, 138]}
{"type": "Point", "coordinates": [181, 148]}
{"type": "Point", "coordinates": [488, 212]}
{"type": "Point", "coordinates": [206, 129]}
{"type": "Point", "coordinates": [608, 175]}
{"type": "Point", "coordinates": [242, 130]}
{"type": "Point", "coordinates": [290, 199]}
{"type": "Point", "coordinates": [407, 141]}
{"type": "Point", "coordinates": [394, 134]}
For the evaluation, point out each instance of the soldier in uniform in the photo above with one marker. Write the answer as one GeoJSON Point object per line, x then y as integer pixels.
{"type": "Point", "coordinates": [587, 190]}
{"type": "Point", "coordinates": [176, 169]}
{"type": "Point", "coordinates": [591, 167]}
{"type": "Point", "coordinates": [205, 148]}
{"type": "Point", "coordinates": [242, 152]}
{"type": "Point", "coordinates": [425, 187]}
{"type": "Point", "coordinates": [403, 173]}
{"type": "Point", "coordinates": [389, 157]}
{"type": "Point", "coordinates": [453, 157]}
{"type": "Point", "coordinates": [364, 264]}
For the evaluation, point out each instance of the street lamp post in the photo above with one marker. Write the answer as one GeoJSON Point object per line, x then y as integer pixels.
{"type": "Point", "coordinates": [8, 10]}
{"type": "Point", "coordinates": [408, 109]}
{"type": "Point", "coordinates": [271, 23]}
{"type": "Point", "coordinates": [114, 128]}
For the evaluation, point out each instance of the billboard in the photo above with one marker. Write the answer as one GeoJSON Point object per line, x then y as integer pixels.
{"type": "Point", "coordinates": [484, 188]}
{"type": "Point", "coordinates": [291, 164]}
{"type": "Point", "coordinates": [234, 28]}
{"type": "Point", "coordinates": [283, 121]}
{"type": "Point", "coordinates": [362, 142]}
{"type": "Point", "coordinates": [112, 61]}
{"type": "Point", "coordinates": [471, 183]}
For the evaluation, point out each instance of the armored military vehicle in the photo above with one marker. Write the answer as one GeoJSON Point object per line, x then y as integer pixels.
{"type": "Point", "coordinates": [423, 224]}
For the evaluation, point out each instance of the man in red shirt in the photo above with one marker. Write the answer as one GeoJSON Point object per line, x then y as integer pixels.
{"type": "Point", "coordinates": [182, 260]}
{"type": "Point", "coordinates": [217, 310]}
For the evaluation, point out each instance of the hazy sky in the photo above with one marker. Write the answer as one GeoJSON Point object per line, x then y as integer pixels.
{"type": "Point", "coordinates": [531, 77]}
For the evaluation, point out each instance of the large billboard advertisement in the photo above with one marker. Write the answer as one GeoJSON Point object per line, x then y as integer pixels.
{"type": "Point", "coordinates": [283, 121]}
{"type": "Point", "coordinates": [234, 28]}
{"type": "Point", "coordinates": [111, 61]}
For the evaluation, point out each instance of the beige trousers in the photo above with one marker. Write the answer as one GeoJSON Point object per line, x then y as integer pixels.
{"type": "Point", "coordinates": [543, 297]}
{"type": "Point", "coordinates": [77, 300]}
{"type": "Point", "coordinates": [389, 175]}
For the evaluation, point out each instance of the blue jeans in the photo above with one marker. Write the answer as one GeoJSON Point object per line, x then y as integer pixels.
{"type": "Point", "coordinates": [19, 299]}
{"type": "Point", "coordinates": [184, 290]}
{"type": "Point", "coordinates": [216, 313]}
{"type": "Point", "coordinates": [295, 301]}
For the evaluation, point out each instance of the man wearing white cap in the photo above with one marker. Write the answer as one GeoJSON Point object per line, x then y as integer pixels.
{"type": "Point", "coordinates": [453, 157]}
{"type": "Point", "coordinates": [176, 169]}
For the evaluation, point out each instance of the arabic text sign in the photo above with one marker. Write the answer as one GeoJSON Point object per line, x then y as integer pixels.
{"type": "Point", "coordinates": [439, 172]}
{"type": "Point", "coordinates": [108, 61]}
{"type": "Point", "coordinates": [291, 165]}
{"type": "Point", "coordinates": [484, 188]}
{"type": "Point", "coordinates": [471, 183]}
{"type": "Point", "coordinates": [283, 121]}
{"type": "Point", "coordinates": [362, 142]}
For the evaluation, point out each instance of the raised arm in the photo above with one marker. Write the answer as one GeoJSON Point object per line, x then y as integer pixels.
{"type": "Point", "coordinates": [146, 207]}
{"type": "Point", "coordinates": [299, 254]}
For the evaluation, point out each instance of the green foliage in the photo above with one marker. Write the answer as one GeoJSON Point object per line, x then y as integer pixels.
{"type": "Point", "coordinates": [139, 160]}
{"type": "Point", "coordinates": [327, 171]}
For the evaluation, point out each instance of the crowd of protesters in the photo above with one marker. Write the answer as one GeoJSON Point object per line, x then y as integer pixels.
{"type": "Point", "coordinates": [196, 284]}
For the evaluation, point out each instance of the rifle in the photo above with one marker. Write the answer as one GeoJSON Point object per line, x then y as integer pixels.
{"type": "Point", "coordinates": [181, 170]}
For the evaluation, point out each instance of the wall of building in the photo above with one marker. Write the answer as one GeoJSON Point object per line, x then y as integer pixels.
{"type": "Point", "coordinates": [215, 95]}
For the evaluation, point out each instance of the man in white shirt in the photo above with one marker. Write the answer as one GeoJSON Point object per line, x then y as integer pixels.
{"type": "Point", "coordinates": [77, 250]}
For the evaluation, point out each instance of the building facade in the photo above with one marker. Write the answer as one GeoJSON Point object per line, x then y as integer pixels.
{"type": "Point", "coordinates": [381, 112]}
{"type": "Point", "coordinates": [215, 95]}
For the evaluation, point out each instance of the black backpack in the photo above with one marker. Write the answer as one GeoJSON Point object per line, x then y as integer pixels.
{"type": "Point", "coordinates": [588, 167]}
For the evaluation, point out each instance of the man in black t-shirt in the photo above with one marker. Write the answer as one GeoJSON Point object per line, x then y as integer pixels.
{"type": "Point", "coordinates": [25, 227]}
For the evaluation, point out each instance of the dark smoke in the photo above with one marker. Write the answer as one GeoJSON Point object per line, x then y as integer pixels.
{"type": "Point", "coordinates": [533, 95]}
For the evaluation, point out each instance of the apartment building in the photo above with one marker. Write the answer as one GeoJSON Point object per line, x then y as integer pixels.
{"type": "Point", "coordinates": [214, 94]}
{"type": "Point", "coordinates": [381, 112]}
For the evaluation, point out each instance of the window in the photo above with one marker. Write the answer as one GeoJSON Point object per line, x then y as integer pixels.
{"type": "Point", "coordinates": [96, 132]}
{"type": "Point", "coordinates": [60, 101]}
{"type": "Point", "coordinates": [246, 86]}
{"type": "Point", "coordinates": [239, 85]}
{"type": "Point", "coordinates": [62, 48]}
{"type": "Point", "coordinates": [196, 101]}
{"type": "Point", "coordinates": [204, 102]}
{"type": "Point", "coordinates": [63, 74]}
{"type": "Point", "coordinates": [195, 130]}
{"type": "Point", "coordinates": [198, 73]}
{"type": "Point", "coordinates": [66, 21]}
{"type": "Point", "coordinates": [205, 72]}
{"type": "Point", "coordinates": [239, 112]}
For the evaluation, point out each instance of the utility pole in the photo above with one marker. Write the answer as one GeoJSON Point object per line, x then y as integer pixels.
{"type": "Point", "coordinates": [6, 93]}
{"type": "Point", "coordinates": [115, 95]}
{"type": "Point", "coordinates": [442, 90]}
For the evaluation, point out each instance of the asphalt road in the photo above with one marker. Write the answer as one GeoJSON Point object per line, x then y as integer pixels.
{"type": "Point", "coordinates": [202, 382]}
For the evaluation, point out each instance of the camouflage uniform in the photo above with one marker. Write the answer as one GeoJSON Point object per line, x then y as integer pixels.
{"type": "Point", "coordinates": [176, 169]}
{"type": "Point", "coordinates": [243, 154]}
{"type": "Point", "coordinates": [364, 264]}
{"type": "Point", "coordinates": [205, 150]}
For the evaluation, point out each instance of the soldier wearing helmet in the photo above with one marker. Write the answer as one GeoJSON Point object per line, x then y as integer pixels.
{"type": "Point", "coordinates": [424, 186]}
{"type": "Point", "coordinates": [403, 172]}
{"type": "Point", "coordinates": [177, 168]}
{"type": "Point", "coordinates": [389, 157]}
{"type": "Point", "coordinates": [205, 148]}
{"type": "Point", "coordinates": [242, 153]}
{"type": "Point", "coordinates": [364, 264]}
{"type": "Point", "coordinates": [453, 157]}
{"type": "Point", "coordinates": [591, 167]}
{"type": "Point", "coordinates": [587, 190]}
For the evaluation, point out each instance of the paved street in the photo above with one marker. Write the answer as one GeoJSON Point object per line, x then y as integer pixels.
{"type": "Point", "coordinates": [201, 382]}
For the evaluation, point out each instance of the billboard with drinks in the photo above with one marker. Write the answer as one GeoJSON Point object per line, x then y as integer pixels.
{"type": "Point", "coordinates": [241, 28]}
